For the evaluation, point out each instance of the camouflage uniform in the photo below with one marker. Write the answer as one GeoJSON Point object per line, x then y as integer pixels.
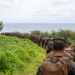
{"type": "Point", "coordinates": [70, 63]}
{"type": "Point", "coordinates": [70, 54]}
{"type": "Point", "coordinates": [67, 53]}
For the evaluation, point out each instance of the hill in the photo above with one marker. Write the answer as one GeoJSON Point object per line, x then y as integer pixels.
{"type": "Point", "coordinates": [19, 56]}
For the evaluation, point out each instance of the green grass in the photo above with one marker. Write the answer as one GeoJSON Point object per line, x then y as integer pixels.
{"type": "Point", "coordinates": [19, 56]}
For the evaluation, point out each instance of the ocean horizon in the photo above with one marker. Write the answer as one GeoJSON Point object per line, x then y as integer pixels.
{"type": "Point", "coordinates": [45, 27]}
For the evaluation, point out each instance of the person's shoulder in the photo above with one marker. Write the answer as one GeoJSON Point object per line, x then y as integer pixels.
{"type": "Point", "coordinates": [50, 54]}
{"type": "Point", "coordinates": [70, 62]}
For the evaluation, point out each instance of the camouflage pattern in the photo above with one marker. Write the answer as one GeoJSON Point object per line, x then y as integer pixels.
{"type": "Point", "coordinates": [70, 64]}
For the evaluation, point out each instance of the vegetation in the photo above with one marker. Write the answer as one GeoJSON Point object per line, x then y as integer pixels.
{"type": "Point", "coordinates": [66, 34]}
{"type": "Point", "coordinates": [37, 32]}
{"type": "Point", "coordinates": [19, 56]}
{"type": "Point", "coordinates": [1, 25]}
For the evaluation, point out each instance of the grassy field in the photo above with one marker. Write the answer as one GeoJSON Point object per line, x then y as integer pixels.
{"type": "Point", "coordinates": [19, 56]}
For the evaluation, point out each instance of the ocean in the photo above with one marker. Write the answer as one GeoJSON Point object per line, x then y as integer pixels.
{"type": "Point", "coordinates": [28, 27]}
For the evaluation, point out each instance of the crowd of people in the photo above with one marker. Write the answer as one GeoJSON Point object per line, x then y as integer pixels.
{"type": "Point", "coordinates": [59, 61]}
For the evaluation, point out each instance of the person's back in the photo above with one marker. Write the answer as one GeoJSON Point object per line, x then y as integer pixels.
{"type": "Point", "coordinates": [69, 60]}
{"type": "Point", "coordinates": [54, 66]}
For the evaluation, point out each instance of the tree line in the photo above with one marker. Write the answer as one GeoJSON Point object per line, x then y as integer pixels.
{"type": "Point", "coordinates": [66, 34]}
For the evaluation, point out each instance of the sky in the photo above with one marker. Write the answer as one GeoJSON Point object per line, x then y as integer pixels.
{"type": "Point", "coordinates": [37, 11]}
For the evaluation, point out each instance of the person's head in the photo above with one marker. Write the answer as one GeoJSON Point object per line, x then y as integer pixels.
{"type": "Point", "coordinates": [68, 45]}
{"type": "Point", "coordinates": [58, 44]}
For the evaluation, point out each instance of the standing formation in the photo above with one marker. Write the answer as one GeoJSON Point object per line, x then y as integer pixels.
{"type": "Point", "coordinates": [60, 61]}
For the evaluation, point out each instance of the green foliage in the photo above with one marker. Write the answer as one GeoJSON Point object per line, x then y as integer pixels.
{"type": "Point", "coordinates": [19, 56]}
{"type": "Point", "coordinates": [36, 32]}
{"type": "Point", "coordinates": [66, 34]}
{"type": "Point", "coordinates": [1, 26]}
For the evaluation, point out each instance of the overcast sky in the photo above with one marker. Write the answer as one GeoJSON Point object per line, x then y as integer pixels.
{"type": "Point", "coordinates": [48, 11]}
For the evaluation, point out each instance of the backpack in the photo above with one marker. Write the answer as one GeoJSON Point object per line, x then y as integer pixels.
{"type": "Point", "coordinates": [54, 66]}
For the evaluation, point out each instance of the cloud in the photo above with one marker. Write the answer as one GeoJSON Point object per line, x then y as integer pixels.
{"type": "Point", "coordinates": [37, 10]}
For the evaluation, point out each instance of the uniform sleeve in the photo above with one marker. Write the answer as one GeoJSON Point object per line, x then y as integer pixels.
{"type": "Point", "coordinates": [71, 67]}
{"type": "Point", "coordinates": [39, 70]}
